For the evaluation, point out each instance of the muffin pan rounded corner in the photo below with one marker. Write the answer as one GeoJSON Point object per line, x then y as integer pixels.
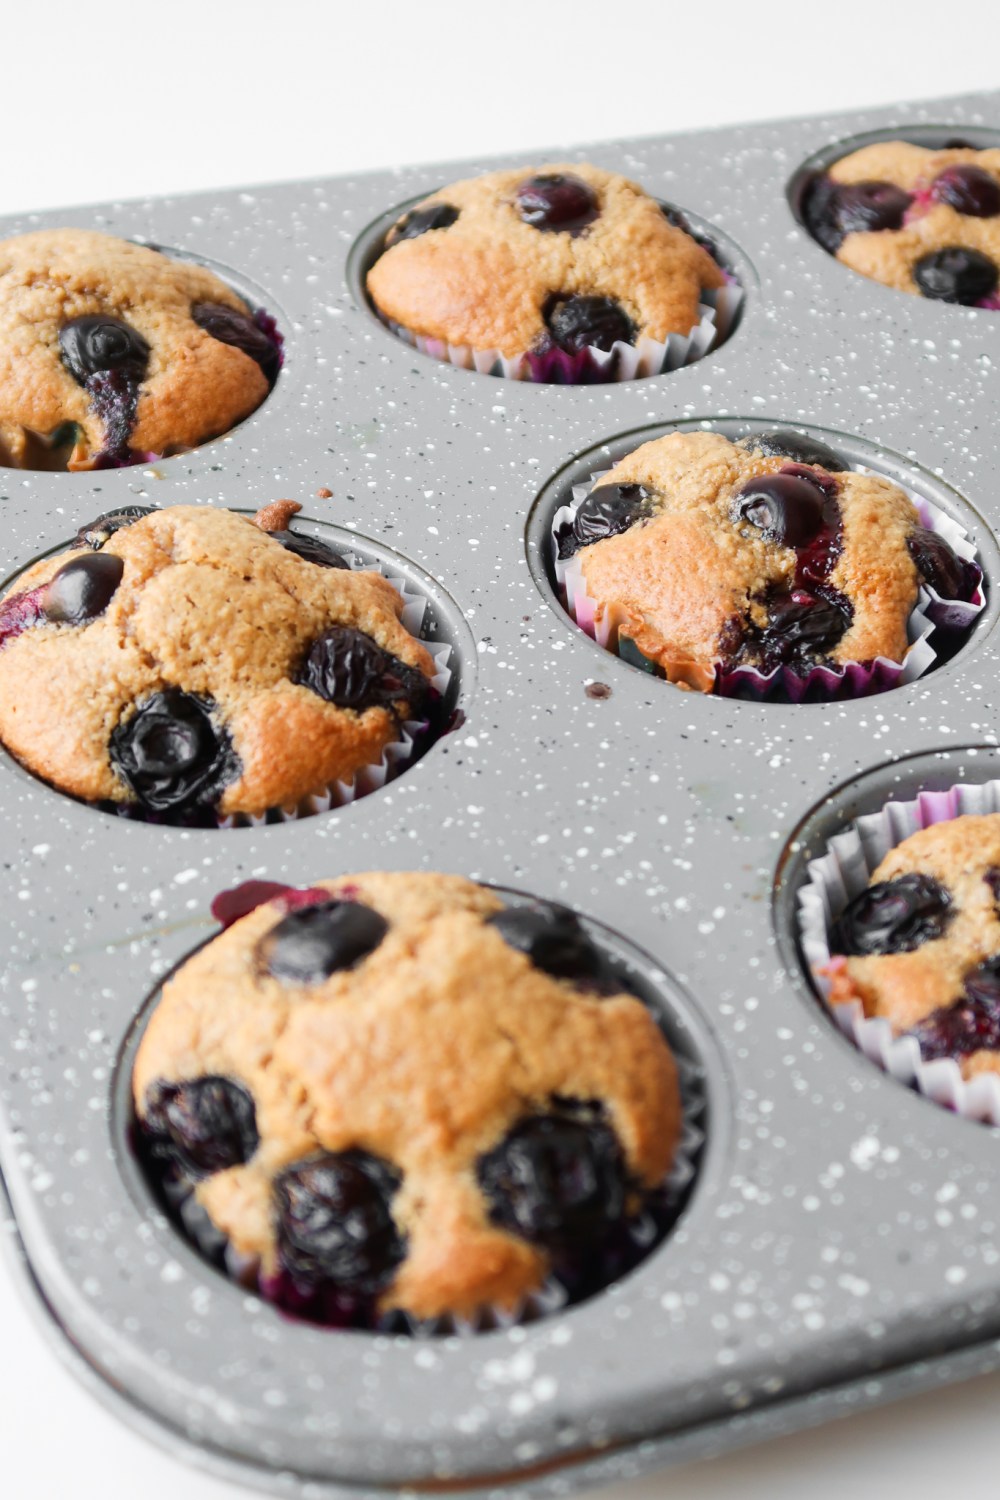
{"type": "Point", "coordinates": [663, 826]}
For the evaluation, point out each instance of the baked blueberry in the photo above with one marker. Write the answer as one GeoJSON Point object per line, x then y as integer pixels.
{"type": "Point", "coordinates": [171, 755]}
{"type": "Point", "coordinates": [607, 511]}
{"type": "Point", "coordinates": [348, 668]}
{"type": "Point", "coordinates": [18, 612]}
{"type": "Point", "coordinates": [95, 533]}
{"type": "Point", "coordinates": [577, 323]}
{"type": "Point", "coordinates": [556, 201]}
{"type": "Point", "coordinates": [940, 567]}
{"type": "Point", "coordinates": [967, 189]}
{"type": "Point", "coordinates": [334, 1220]}
{"type": "Point", "coordinates": [971, 1024]}
{"type": "Point", "coordinates": [956, 274]}
{"type": "Point", "coordinates": [893, 916]}
{"type": "Point", "coordinates": [310, 944]}
{"type": "Point", "coordinates": [242, 331]}
{"type": "Point", "coordinates": [786, 508]}
{"type": "Point", "coordinates": [556, 1180]}
{"type": "Point", "coordinates": [781, 442]}
{"type": "Point", "coordinates": [83, 589]}
{"type": "Point", "coordinates": [205, 1124]}
{"type": "Point", "coordinates": [97, 345]}
{"type": "Point", "coordinates": [553, 938]}
{"type": "Point", "coordinates": [310, 548]}
{"type": "Point", "coordinates": [802, 627]}
{"type": "Point", "coordinates": [832, 210]}
{"type": "Point", "coordinates": [419, 220]}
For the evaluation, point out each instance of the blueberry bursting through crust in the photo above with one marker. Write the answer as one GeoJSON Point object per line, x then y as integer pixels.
{"type": "Point", "coordinates": [172, 755]}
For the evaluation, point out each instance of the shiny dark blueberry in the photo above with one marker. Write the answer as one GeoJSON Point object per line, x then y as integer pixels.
{"type": "Point", "coordinates": [95, 533]}
{"type": "Point", "coordinates": [576, 323]}
{"type": "Point", "coordinates": [786, 508]}
{"type": "Point", "coordinates": [310, 548]}
{"type": "Point", "coordinates": [956, 275]}
{"type": "Point", "coordinates": [556, 1180]}
{"type": "Point", "coordinates": [780, 442]}
{"type": "Point", "coordinates": [83, 589]}
{"type": "Point", "coordinates": [968, 190]}
{"type": "Point", "coordinates": [832, 210]}
{"type": "Point", "coordinates": [607, 511]}
{"type": "Point", "coordinates": [556, 201]}
{"type": "Point", "coordinates": [315, 941]}
{"type": "Point", "coordinates": [241, 331]}
{"type": "Point", "coordinates": [206, 1124]}
{"type": "Point", "coordinates": [802, 628]}
{"type": "Point", "coordinates": [939, 565]}
{"type": "Point", "coordinates": [894, 916]}
{"type": "Point", "coordinates": [972, 1024]}
{"type": "Point", "coordinates": [97, 345]}
{"type": "Point", "coordinates": [346, 667]}
{"type": "Point", "coordinates": [419, 220]}
{"type": "Point", "coordinates": [170, 754]}
{"type": "Point", "coordinates": [335, 1220]}
{"type": "Point", "coordinates": [554, 940]}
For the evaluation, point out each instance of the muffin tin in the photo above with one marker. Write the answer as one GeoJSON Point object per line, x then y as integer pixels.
{"type": "Point", "coordinates": [840, 1243]}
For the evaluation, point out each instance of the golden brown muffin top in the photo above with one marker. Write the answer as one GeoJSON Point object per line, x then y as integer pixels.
{"type": "Point", "coordinates": [890, 255]}
{"type": "Point", "coordinates": [487, 278]}
{"type": "Point", "coordinates": [692, 582]}
{"type": "Point", "coordinates": [207, 604]}
{"type": "Point", "coordinates": [190, 386]}
{"type": "Point", "coordinates": [424, 1055]}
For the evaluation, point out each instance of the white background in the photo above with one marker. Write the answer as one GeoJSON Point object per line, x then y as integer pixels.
{"type": "Point", "coordinates": [116, 99]}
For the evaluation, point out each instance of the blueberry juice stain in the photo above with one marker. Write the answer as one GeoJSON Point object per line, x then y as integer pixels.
{"type": "Point", "coordinates": [109, 359]}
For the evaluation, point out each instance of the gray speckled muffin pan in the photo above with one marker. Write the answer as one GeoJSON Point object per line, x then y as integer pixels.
{"type": "Point", "coordinates": [841, 1245]}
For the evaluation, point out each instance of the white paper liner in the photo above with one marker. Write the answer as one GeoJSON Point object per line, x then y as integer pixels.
{"type": "Point", "coordinates": [717, 313]}
{"type": "Point", "coordinates": [397, 754]}
{"type": "Point", "coordinates": [842, 873]}
{"type": "Point", "coordinates": [929, 612]}
{"type": "Point", "coordinates": [547, 1299]}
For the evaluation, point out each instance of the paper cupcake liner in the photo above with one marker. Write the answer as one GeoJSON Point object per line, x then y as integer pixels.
{"type": "Point", "coordinates": [842, 873]}
{"type": "Point", "coordinates": [717, 313]}
{"type": "Point", "coordinates": [786, 685]}
{"type": "Point", "coordinates": [571, 1282]}
{"type": "Point", "coordinates": [395, 757]}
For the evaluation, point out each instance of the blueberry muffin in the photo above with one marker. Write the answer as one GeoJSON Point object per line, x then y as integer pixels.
{"type": "Point", "coordinates": [395, 1091]}
{"type": "Point", "coordinates": [921, 945]}
{"type": "Point", "coordinates": [112, 353]}
{"type": "Point", "coordinates": [922, 221]}
{"type": "Point", "coordinates": [767, 553]}
{"type": "Point", "coordinates": [565, 257]}
{"type": "Point", "coordinates": [188, 664]}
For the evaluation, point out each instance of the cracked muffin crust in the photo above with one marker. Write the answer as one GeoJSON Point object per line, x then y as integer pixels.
{"type": "Point", "coordinates": [186, 663]}
{"type": "Point", "coordinates": [395, 1084]}
{"type": "Point", "coordinates": [768, 553]}
{"type": "Point", "coordinates": [529, 259]}
{"type": "Point", "coordinates": [112, 353]}
{"type": "Point", "coordinates": [921, 945]}
{"type": "Point", "coordinates": [923, 221]}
